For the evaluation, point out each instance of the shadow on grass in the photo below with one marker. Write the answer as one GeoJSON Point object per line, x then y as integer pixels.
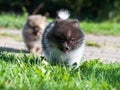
{"type": "Point", "coordinates": [19, 56]}
{"type": "Point", "coordinates": [12, 50]}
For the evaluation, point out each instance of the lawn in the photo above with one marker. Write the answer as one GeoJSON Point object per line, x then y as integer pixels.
{"type": "Point", "coordinates": [31, 72]}
{"type": "Point", "coordinates": [104, 28]}
{"type": "Point", "coordinates": [12, 20]}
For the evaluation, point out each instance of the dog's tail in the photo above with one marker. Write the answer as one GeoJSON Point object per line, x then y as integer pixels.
{"type": "Point", "coordinates": [63, 14]}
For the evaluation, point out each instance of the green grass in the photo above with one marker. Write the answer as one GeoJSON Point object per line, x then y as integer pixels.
{"type": "Point", "coordinates": [31, 72]}
{"type": "Point", "coordinates": [92, 44]}
{"type": "Point", "coordinates": [12, 21]}
{"type": "Point", "coordinates": [104, 28]}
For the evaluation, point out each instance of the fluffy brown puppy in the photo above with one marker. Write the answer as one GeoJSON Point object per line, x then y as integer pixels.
{"type": "Point", "coordinates": [32, 32]}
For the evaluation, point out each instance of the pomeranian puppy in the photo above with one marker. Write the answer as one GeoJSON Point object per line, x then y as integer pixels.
{"type": "Point", "coordinates": [32, 32]}
{"type": "Point", "coordinates": [63, 40]}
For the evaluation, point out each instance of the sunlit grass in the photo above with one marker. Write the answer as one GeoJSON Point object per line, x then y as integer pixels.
{"type": "Point", "coordinates": [12, 21]}
{"type": "Point", "coordinates": [31, 72]}
{"type": "Point", "coordinates": [102, 28]}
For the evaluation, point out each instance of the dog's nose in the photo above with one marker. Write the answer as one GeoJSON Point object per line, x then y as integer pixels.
{"type": "Point", "coordinates": [67, 48]}
{"type": "Point", "coordinates": [37, 29]}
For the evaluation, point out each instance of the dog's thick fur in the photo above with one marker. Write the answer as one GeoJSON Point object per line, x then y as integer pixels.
{"type": "Point", "coordinates": [63, 41]}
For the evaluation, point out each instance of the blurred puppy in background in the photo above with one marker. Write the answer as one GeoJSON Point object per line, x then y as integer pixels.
{"type": "Point", "coordinates": [32, 32]}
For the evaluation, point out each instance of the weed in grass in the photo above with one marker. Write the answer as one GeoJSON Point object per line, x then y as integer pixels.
{"type": "Point", "coordinates": [92, 44]}
{"type": "Point", "coordinates": [13, 36]}
{"type": "Point", "coordinates": [117, 46]}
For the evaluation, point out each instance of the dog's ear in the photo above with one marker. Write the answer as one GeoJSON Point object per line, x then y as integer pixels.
{"type": "Point", "coordinates": [75, 23]}
{"type": "Point", "coordinates": [29, 23]}
{"type": "Point", "coordinates": [29, 20]}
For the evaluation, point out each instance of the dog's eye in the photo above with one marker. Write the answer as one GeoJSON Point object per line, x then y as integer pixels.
{"type": "Point", "coordinates": [62, 40]}
{"type": "Point", "coordinates": [73, 40]}
{"type": "Point", "coordinates": [36, 28]}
